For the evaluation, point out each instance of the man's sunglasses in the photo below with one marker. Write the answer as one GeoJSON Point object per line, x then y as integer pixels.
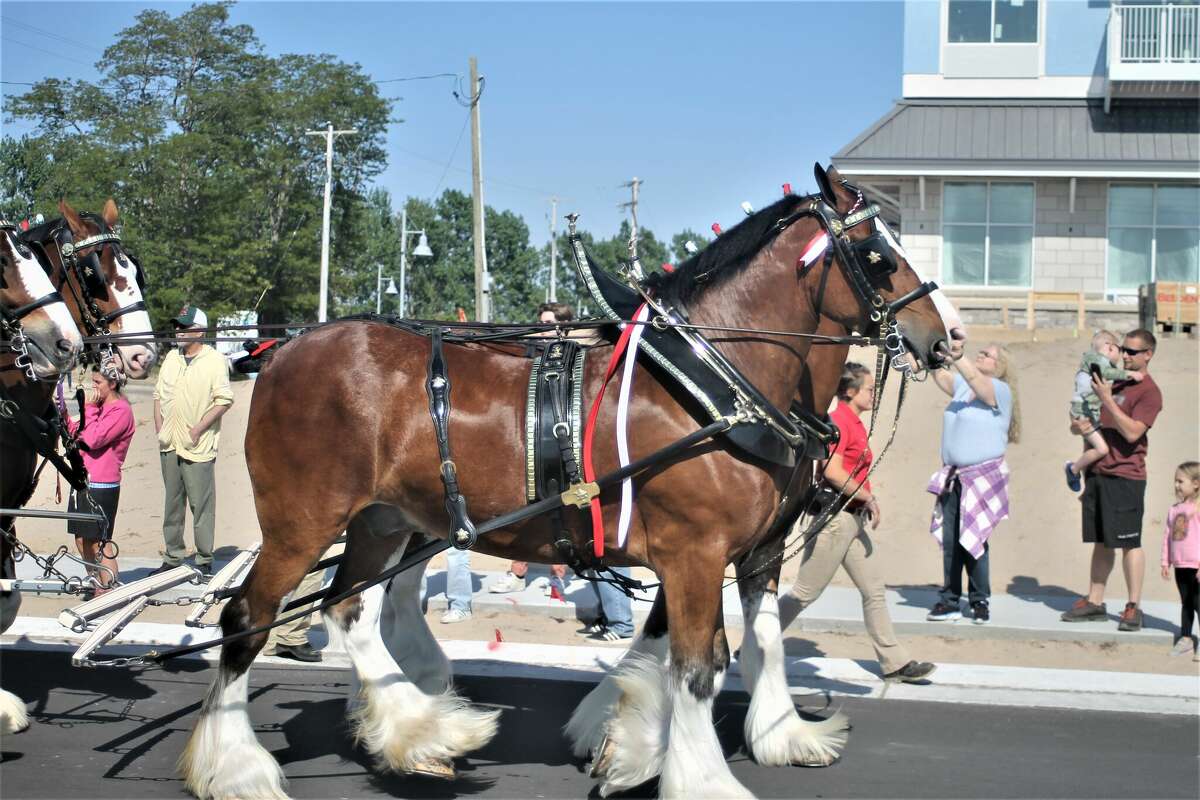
{"type": "Point", "coordinates": [1129, 351]}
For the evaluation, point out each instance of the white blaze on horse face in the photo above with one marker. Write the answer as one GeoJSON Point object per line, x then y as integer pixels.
{"type": "Point", "coordinates": [947, 311]}
{"type": "Point", "coordinates": [138, 357]}
{"type": "Point", "coordinates": [47, 327]}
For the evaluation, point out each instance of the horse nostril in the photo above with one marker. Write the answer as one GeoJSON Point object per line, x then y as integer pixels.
{"type": "Point", "coordinates": [65, 346]}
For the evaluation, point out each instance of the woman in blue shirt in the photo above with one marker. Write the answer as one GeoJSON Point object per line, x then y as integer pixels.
{"type": "Point", "coordinates": [981, 419]}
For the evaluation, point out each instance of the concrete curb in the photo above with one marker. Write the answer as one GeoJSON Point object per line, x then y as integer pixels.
{"type": "Point", "coordinates": [838, 610]}
{"type": "Point", "coordinates": [1085, 690]}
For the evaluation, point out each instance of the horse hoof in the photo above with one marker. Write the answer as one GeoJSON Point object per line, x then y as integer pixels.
{"type": "Point", "coordinates": [440, 768]}
{"type": "Point", "coordinates": [603, 759]}
{"type": "Point", "coordinates": [816, 761]}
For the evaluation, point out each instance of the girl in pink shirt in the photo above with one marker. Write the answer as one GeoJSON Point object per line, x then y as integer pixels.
{"type": "Point", "coordinates": [1181, 550]}
{"type": "Point", "coordinates": [107, 431]}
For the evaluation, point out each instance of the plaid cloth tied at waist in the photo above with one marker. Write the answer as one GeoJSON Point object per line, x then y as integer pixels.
{"type": "Point", "coordinates": [983, 501]}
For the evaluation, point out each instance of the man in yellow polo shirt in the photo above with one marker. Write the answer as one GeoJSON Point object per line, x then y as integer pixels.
{"type": "Point", "coordinates": [191, 396]}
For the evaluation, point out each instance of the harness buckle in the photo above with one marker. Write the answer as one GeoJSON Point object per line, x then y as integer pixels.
{"type": "Point", "coordinates": [581, 494]}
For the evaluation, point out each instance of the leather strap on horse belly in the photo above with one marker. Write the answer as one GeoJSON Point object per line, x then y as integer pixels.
{"type": "Point", "coordinates": [437, 386]}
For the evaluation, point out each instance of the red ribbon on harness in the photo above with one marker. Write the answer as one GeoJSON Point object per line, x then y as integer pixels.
{"type": "Point", "coordinates": [589, 435]}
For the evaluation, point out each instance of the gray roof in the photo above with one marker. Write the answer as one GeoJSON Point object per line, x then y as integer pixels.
{"type": "Point", "coordinates": [1028, 134]}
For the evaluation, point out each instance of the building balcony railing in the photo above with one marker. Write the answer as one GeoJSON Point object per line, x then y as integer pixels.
{"type": "Point", "coordinates": [1154, 43]}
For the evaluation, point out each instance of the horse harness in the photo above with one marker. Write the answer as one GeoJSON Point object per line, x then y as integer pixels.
{"type": "Point", "coordinates": [10, 318]}
{"type": "Point", "coordinates": [82, 260]}
{"type": "Point", "coordinates": [688, 359]}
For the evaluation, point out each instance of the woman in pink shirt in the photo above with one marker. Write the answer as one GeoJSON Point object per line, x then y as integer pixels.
{"type": "Point", "coordinates": [1181, 550]}
{"type": "Point", "coordinates": [107, 431]}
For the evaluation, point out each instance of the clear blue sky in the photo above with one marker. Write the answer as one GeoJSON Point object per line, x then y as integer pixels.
{"type": "Point", "coordinates": [709, 104]}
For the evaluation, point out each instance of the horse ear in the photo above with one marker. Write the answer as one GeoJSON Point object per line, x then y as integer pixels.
{"type": "Point", "coordinates": [824, 185]}
{"type": "Point", "coordinates": [109, 214]}
{"type": "Point", "coordinates": [73, 219]}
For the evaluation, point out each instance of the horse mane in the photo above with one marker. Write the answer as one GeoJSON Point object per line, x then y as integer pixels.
{"type": "Point", "coordinates": [727, 256]}
{"type": "Point", "coordinates": [41, 233]}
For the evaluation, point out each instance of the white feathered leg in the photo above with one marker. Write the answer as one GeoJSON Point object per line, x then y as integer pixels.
{"type": "Point", "coordinates": [634, 743]}
{"type": "Point", "coordinates": [695, 766]}
{"type": "Point", "coordinates": [223, 760]}
{"type": "Point", "coordinates": [406, 729]}
{"type": "Point", "coordinates": [13, 718]}
{"type": "Point", "coordinates": [775, 732]}
{"type": "Point", "coordinates": [587, 727]}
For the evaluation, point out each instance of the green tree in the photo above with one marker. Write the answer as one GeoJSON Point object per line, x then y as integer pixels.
{"type": "Point", "coordinates": [200, 137]}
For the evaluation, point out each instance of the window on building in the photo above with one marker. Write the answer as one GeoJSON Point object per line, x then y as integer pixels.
{"type": "Point", "coordinates": [987, 234]}
{"type": "Point", "coordinates": [993, 21]}
{"type": "Point", "coordinates": [1153, 235]}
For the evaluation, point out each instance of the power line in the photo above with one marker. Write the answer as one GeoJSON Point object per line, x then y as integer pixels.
{"type": "Point", "coordinates": [421, 78]}
{"type": "Point", "coordinates": [47, 52]}
{"type": "Point", "coordinates": [50, 34]}
{"type": "Point", "coordinates": [453, 153]}
{"type": "Point", "coordinates": [489, 181]}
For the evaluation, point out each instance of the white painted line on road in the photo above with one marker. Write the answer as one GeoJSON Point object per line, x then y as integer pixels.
{"type": "Point", "coordinates": [1087, 690]}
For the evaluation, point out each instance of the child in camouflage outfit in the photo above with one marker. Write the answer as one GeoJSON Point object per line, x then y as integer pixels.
{"type": "Point", "coordinates": [1104, 355]}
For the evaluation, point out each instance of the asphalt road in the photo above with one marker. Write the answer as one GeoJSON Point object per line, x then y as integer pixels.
{"type": "Point", "coordinates": [116, 734]}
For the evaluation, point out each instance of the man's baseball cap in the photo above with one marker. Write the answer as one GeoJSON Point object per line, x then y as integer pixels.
{"type": "Point", "coordinates": [191, 317]}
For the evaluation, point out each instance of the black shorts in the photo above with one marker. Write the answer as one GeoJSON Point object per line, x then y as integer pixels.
{"type": "Point", "coordinates": [107, 500]}
{"type": "Point", "coordinates": [1112, 511]}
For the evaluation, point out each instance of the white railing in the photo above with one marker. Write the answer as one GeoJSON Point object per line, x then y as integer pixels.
{"type": "Point", "coordinates": [1154, 34]}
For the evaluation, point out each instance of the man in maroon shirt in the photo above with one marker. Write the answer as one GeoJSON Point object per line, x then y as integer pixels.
{"type": "Point", "coordinates": [1114, 497]}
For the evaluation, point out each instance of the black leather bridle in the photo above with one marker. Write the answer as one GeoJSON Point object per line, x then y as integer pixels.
{"type": "Point", "coordinates": [81, 259]}
{"type": "Point", "coordinates": [10, 318]}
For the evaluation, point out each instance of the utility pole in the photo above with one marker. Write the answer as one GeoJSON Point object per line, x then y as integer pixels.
{"type": "Point", "coordinates": [329, 133]}
{"type": "Point", "coordinates": [632, 206]}
{"type": "Point", "coordinates": [482, 279]}
{"type": "Point", "coordinates": [553, 248]}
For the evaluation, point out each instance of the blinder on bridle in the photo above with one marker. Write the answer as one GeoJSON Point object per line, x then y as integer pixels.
{"type": "Point", "coordinates": [89, 272]}
{"type": "Point", "coordinates": [11, 317]}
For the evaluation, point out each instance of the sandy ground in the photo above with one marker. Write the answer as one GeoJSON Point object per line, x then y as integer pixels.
{"type": "Point", "coordinates": [1038, 550]}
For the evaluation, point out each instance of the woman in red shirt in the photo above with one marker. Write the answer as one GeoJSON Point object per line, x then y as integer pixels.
{"type": "Point", "coordinates": [844, 540]}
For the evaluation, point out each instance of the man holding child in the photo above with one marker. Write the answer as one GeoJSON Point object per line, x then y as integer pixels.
{"type": "Point", "coordinates": [1115, 486]}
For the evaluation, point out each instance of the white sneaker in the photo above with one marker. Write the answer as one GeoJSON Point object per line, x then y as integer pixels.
{"type": "Point", "coordinates": [1183, 646]}
{"type": "Point", "coordinates": [455, 615]}
{"type": "Point", "coordinates": [509, 583]}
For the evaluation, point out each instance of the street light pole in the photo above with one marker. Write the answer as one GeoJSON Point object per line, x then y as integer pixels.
{"type": "Point", "coordinates": [379, 288]}
{"type": "Point", "coordinates": [403, 261]}
{"type": "Point", "coordinates": [329, 133]}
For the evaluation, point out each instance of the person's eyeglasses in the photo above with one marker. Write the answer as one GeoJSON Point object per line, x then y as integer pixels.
{"type": "Point", "coordinates": [1129, 351]}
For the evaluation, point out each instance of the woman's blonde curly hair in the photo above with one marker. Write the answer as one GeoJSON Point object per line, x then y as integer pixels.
{"type": "Point", "coordinates": [1006, 371]}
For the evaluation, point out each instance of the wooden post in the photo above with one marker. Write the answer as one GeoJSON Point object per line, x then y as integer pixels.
{"type": "Point", "coordinates": [1030, 322]}
{"type": "Point", "coordinates": [1081, 323]}
{"type": "Point", "coordinates": [1178, 310]}
{"type": "Point", "coordinates": [1004, 313]}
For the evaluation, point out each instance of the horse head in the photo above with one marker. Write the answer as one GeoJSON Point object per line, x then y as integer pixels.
{"type": "Point", "coordinates": [36, 324]}
{"type": "Point", "coordinates": [876, 284]}
{"type": "Point", "coordinates": [102, 282]}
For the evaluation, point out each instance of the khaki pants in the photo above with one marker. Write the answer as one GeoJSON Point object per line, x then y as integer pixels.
{"type": "Point", "coordinates": [844, 542]}
{"type": "Point", "coordinates": [188, 483]}
{"type": "Point", "coordinates": [295, 633]}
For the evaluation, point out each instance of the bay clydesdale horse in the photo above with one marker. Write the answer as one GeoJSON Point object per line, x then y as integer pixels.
{"type": "Point", "coordinates": [354, 450]}
{"type": "Point", "coordinates": [96, 287]}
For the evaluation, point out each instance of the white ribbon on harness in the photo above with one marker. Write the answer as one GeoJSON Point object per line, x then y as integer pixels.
{"type": "Point", "coordinates": [815, 249]}
{"type": "Point", "coordinates": [623, 422]}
